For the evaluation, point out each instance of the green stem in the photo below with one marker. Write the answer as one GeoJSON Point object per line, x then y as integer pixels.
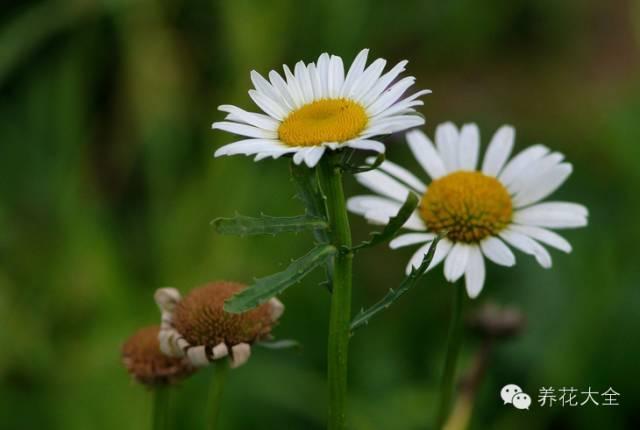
{"type": "Point", "coordinates": [220, 369]}
{"type": "Point", "coordinates": [340, 315]}
{"type": "Point", "coordinates": [453, 348]}
{"type": "Point", "coordinates": [161, 408]}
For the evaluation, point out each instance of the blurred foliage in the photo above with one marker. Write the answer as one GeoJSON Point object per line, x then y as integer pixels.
{"type": "Point", "coordinates": [108, 187]}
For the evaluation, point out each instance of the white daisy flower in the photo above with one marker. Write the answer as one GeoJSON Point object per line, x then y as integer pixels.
{"type": "Point", "coordinates": [482, 210]}
{"type": "Point", "coordinates": [316, 107]}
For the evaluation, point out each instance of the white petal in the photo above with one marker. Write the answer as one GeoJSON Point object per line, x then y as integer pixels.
{"type": "Point", "coordinates": [378, 210]}
{"type": "Point", "coordinates": [495, 250]}
{"type": "Point", "coordinates": [294, 86]}
{"type": "Point", "coordinates": [469, 147]}
{"type": "Point", "coordinates": [367, 145]}
{"type": "Point", "coordinates": [401, 174]}
{"type": "Point", "coordinates": [447, 142]}
{"type": "Point", "coordinates": [367, 79]}
{"type": "Point", "coordinates": [323, 74]}
{"type": "Point", "coordinates": [248, 147]}
{"type": "Point", "coordinates": [475, 273]}
{"type": "Point", "coordinates": [336, 76]}
{"type": "Point", "coordinates": [356, 69]}
{"type": "Point", "coordinates": [268, 106]}
{"type": "Point", "coordinates": [255, 119]}
{"type": "Point", "coordinates": [531, 174]}
{"type": "Point", "coordinates": [544, 186]}
{"type": "Point", "coordinates": [456, 262]}
{"type": "Point", "coordinates": [424, 151]}
{"type": "Point", "coordinates": [313, 156]}
{"type": "Point", "coordinates": [383, 184]}
{"type": "Point", "coordinates": [543, 235]}
{"type": "Point", "coordinates": [315, 82]}
{"type": "Point", "coordinates": [299, 155]}
{"type": "Point", "coordinates": [528, 246]}
{"type": "Point", "coordinates": [244, 130]}
{"type": "Point", "coordinates": [552, 215]}
{"type": "Point", "coordinates": [304, 80]}
{"type": "Point", "coordinates": [282, 88]}
{"type": "Point", "coordinates": [382, 83]}
{"type": "Point", "coordinates": [392, 125]}
{"type": "Point", "coordinates": [499, 150]}
{"type": "Point", "coordinates": [391, 95]}
{"type": "Point", "coordinates": [520, 162]}
{"type": "Point", "coordinates": [442, 250]}
{"type": "Point", "coordinates": [263, 86]}
{"type": "Point", "coordinates": [410, 239]}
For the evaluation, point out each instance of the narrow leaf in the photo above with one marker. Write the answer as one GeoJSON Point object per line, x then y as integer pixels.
{"type": "Point", "coordinates": [409, 282]}
{"type": "Point", "coordinates": [245, 225]}
{"type": "Point", "coordinates": [265, 288]}
{"type": "Point", "coordinates": [395, 224]}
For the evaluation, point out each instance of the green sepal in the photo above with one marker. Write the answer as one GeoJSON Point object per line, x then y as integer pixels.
{"type": "Point", "coordinates": [265, 288]}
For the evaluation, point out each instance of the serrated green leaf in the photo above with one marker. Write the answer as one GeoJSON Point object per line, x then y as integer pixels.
{"type": "Point", "coordinates": [280, 344]}
{"type": "Point", "coordinates": [395, 224]}
{"type": "Point", "coordinates": [409, 282]}
{"type": "Point", "coordinates": [265, 288]}
{"type": "Point", "coordinates": [245, 225]}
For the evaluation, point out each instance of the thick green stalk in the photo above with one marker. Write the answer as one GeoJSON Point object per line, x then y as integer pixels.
{"type": "Point", "coordinates": [340, 316]}
{"type": "Point", "coordinates": [220, 369]}
{"type": "Point", "coordinates": [453, 348]}
{"type": "Point", "coordinates": [161, 408]}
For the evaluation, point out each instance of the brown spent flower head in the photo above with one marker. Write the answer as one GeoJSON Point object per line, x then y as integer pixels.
{"type": "Point", "coordinates": [201, 319]}
{"type": "Point", "coordinates": [144, 361]}
{"type": "Point", "coordinates": [497, 322]}
{"type": "Point", "coordinates": [198, 328]}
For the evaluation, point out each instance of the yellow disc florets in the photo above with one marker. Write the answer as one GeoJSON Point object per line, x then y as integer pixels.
{"type": "Point", "coordinates": [326, 120]}
{"type": "Point", "coordinates": [469, 206]}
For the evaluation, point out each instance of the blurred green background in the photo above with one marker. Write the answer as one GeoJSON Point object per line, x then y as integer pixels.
{"type": "Point", "coordinates": [109, 184]}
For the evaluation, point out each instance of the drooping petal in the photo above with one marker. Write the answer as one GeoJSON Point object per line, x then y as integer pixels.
{"type": "Point", "coordinates": [456, 262]}
{"type": "Point", "coordinates": [543, 235]}
{"type": "Point", "coordinates": [528, 246]}
{"type": "Point", "coordinates": [475, 273]}
{"type": "Point", "coordinates": [495, 250]}
{"type": "Point", "coordinates": [442, 250]}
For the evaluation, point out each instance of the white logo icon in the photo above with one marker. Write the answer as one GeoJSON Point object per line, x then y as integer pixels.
{"type": "Point", "coordinates": [513, 394]}
{"type": "Point", "coordinates": [521, 401]}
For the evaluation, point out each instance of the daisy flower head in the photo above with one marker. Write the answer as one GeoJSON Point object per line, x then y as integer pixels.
{"type": "Point", "coordinates": [478, 209]}
{"type": "Point", "coordinates": [317, 107]}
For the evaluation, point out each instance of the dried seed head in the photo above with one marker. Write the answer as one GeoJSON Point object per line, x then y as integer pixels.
{"type": "Point", "coordinates": [200, 319]}
{"type": "Point", "coordinates": [143, 360]}
{"type": "Point", "coordinates": [497, 322]}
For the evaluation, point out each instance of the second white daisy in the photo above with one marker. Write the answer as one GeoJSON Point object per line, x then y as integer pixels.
{"type": "Point", "coordinates": [317, 107]}
{"type": "Point", "coordinates": [479, 210]}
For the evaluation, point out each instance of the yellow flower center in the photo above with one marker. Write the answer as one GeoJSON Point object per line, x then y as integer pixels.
{"type": "Point", "coordinates": [468, 205]}
{"type": "Point", "coordinates": [326, 120]}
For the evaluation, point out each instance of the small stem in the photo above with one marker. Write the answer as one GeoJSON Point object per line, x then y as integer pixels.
{"type": "Point", "coordinates": [453, 348]}
{"type": "Point", "coordinates": [220, 369]}
{"type": "Point", "coordinates": [161, 408]}
{"type": "Point", "coordinates": [340, 315]}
